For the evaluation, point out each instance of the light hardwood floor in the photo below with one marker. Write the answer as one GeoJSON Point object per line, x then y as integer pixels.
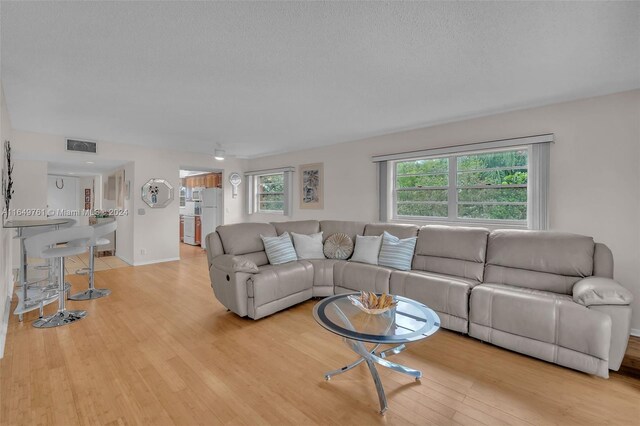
{"type": "Point", "coordinates": [73, 263]}
{"type": "Point", "coordinates": [161, 350]}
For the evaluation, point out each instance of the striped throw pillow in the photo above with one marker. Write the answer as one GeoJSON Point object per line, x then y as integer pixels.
{"type": "Point", "coordinates": [279, 249]}
{"type": "Point", "coordinates": [396, 253]}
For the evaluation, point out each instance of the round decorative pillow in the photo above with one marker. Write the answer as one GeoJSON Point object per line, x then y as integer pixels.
{"type": "Point", "coordinates": [338, 246]}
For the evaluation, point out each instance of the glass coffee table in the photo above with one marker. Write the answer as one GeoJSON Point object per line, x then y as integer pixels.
{"type": "Point", "coordinates": [408, 322]}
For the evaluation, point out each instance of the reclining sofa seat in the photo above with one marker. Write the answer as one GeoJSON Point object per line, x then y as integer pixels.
{"type": "Point", "coordinates": [448, 263]}
{"type": "Point", "coordinates": [256, 292]}
{"type": "Point", "coordinates": [531, 292]}
{"type": "Point", "coordinates": [526, 302]}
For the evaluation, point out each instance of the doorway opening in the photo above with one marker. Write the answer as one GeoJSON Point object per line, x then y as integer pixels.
{"type": "Point", "coordinates": [201, 198]}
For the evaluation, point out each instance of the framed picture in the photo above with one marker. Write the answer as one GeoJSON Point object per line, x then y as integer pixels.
{"type": "Point", "coordinates": [127, 190]}
{"type": "Point", "coordinates": [312, 186]}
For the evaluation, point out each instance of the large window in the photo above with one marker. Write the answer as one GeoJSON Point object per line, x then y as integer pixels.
{"type": "Point", "coordinates": [488, 186]}
{"type": "Point", "coordinates": [270, 193]}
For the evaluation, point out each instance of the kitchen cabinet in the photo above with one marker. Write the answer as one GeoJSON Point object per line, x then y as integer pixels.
{"type": "Point", "coordinates": [198, 231]}
{"type": "Point", "coordinates": [209, 180]}
{"type": "Point", "coordinates": [181, 228]}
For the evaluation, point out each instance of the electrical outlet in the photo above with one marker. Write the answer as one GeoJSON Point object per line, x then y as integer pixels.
{"type": "Point", "coordinates": [143, 251]}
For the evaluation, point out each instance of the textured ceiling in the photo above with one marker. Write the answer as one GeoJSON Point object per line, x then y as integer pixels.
{"type": "Point", "coordinates": [267, 77]}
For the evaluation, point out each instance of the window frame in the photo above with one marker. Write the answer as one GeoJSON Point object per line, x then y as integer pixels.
{"type": "Point", "coordinates": [452, 191]}
{"type": "Point", "coordinates": [257, 193]}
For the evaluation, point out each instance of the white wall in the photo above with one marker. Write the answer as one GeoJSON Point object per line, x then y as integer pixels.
{"type": "Point", "coordinates": [6, 275]}
{"type": "Point", "coordinates": [65, 198]}
{"type": "Point", "coordinates": [594, 171]}
{"type": "Point", "coordinates": [30, 185]}
{"type": "Point", "coordinates": [155, 232]}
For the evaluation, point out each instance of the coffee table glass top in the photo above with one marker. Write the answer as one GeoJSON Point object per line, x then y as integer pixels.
{"type": "Point", "coordinates": [407, 322]}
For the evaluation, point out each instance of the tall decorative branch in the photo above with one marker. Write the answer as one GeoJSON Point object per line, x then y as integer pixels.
{"type": "Point", "coordinates": [7, 180]}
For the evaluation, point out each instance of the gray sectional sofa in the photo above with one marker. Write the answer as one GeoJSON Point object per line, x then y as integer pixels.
{"type": "Point", "coordinates": [546, 294]}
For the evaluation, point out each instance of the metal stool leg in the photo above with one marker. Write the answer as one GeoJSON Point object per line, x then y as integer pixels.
{"type": "Point", "coordinates": [63, 316]}
{"type": "Point", "coordinates": [92, 292]}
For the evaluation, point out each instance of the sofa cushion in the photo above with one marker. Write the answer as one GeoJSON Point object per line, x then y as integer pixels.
{"type": "Point", "coordinates": [243, 238]}
{"type": "Point", "coordinates": [279, 249]}
{"type": "Point", "coordinates": [453, 242]}
{"type": "Point", "coordinates": [274, 282]}
{"type": "Point", "coordinates": [306, 227]}
{"type": "Point", "coordinates": [361, 276]}
{"type": "Point", "coordinates": [449, 250]}
{"type": "Point", "coordinates": [543, 281]}
{"type": "Point", "coordinates": [543, 316]}
{"type": "Point", "coordinates": [330, 227]}
{"type": "Point", "coordinates": [397, 230]}
{"type": "Point", "coordinates": [323, 271]}
{"type": "Point", "coordinates": [395, 252]}
{"type": "Point", "coordinates": [443, 293]}
{"type": "Point", "coordinates": [542, 251]}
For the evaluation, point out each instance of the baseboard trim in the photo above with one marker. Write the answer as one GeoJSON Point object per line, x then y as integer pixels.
{"type": "Point", "coordinates": [4, 326]}
{"type": "Point", "coordinates": [127, 261]}
{"type": "Point", "coordinates": [635, 332]}
{"type": "Point", "coordinates": [151, 262]}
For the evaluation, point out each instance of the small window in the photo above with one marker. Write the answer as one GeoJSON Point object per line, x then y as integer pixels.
{"type": "Point", "coordinates": [489, 187]}
{"type": "Point", "coordinates": [270, 193]}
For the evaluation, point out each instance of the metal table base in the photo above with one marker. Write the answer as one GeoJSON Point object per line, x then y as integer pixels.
{"type": "Point", "coordinates": [372, 357]}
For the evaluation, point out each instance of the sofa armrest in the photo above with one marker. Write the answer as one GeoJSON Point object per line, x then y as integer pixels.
{"type": "Point", "coordinates": [592, 291]}
{"type": "Point", "coordinates": [230, 264]}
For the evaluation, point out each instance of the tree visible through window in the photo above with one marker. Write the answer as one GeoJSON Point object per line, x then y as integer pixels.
{"type": "Point", "coordinates": [485, 186]}
{"type": "Point", "coordinates": [270, 193]}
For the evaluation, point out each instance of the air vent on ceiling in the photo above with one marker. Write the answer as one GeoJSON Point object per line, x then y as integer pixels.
{"type": "Point", "coordinates": [82, 146]}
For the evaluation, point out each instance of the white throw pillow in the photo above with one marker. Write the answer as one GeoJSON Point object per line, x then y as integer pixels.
{"type": "Point", "coordinates": [279, 249]}
{"type": "Point", "coordinates": [308, 246]}
{"type": "Point", "coordinates": [367, 249]}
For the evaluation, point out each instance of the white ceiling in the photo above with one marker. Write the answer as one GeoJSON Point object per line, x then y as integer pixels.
{"type": "Point", "coordinates": [267, 77]}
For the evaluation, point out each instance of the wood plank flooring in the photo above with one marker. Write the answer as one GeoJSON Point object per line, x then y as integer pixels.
{"type": "Point", "coordinates": [161, 350]}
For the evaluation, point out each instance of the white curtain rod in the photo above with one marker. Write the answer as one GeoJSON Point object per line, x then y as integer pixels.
{"type": "Point", "coordinates": [265, 171]}
{"type": "Point", "coordinates": [503, 143]}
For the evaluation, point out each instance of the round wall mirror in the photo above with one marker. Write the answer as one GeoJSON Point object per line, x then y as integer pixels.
{"type": "Point", "coordinates": [157, 193]}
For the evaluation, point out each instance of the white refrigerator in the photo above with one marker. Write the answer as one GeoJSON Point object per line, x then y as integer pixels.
{"type": "Point", "coordinates": [211, 213]}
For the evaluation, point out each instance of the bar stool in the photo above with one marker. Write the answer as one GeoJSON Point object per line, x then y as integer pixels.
{"type": "Point", "coordinates": [99, 231]}
{"type": "Point", "coordinates": [45, 246]}
{"type": "Point", "coordinates": [34, 294]}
